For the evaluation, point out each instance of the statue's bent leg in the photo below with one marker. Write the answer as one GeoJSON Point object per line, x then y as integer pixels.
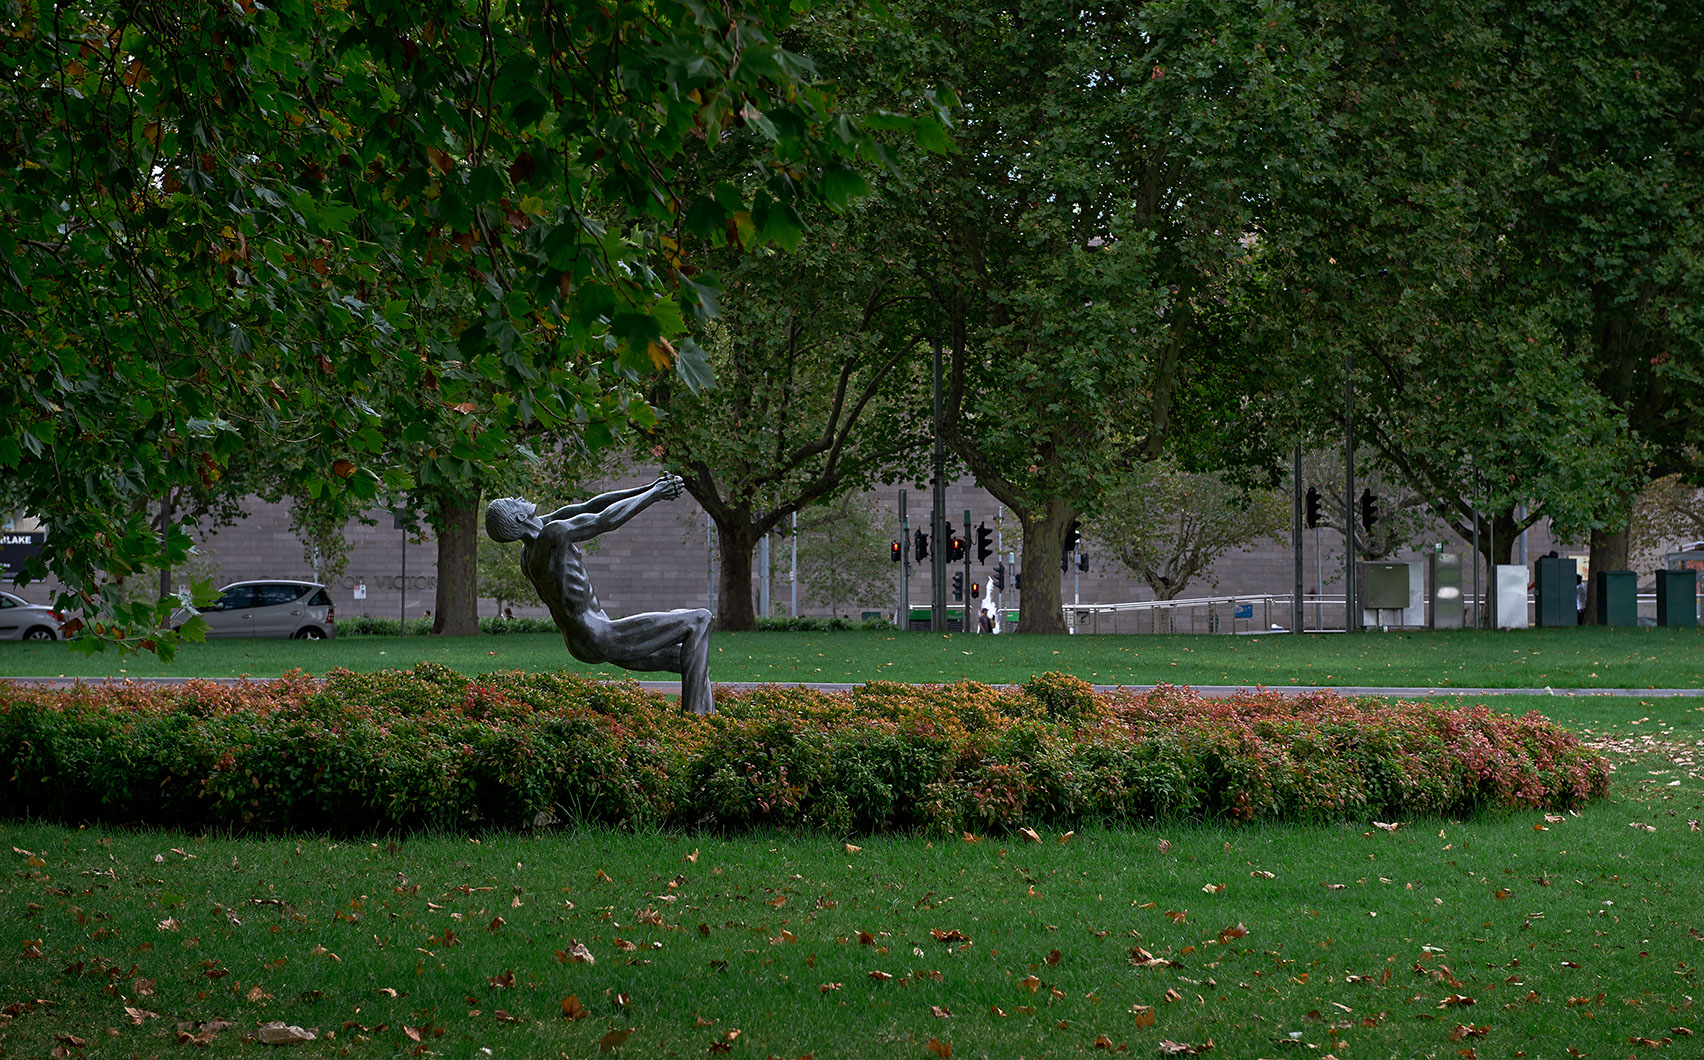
{"type": "Point", "coordinates": [695, 664]}
{"type": "Point", "coordinates": [675, 641]}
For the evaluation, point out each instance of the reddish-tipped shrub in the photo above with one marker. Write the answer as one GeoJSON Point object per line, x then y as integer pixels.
{"type": "Point", "coordinates": [428, 748]}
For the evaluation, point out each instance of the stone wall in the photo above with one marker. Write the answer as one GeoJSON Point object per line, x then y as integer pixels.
{"type": "Point", "coordinates": [665, 558]}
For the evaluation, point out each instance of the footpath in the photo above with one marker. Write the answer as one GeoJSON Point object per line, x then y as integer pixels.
{"type": "Point", "coordinates": [1210, 691]}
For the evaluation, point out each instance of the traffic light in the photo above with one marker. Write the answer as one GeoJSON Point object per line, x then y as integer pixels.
{"type": "Point", "coordinates": [955, 545]}
{"type": "Point", "coordinates": [1369, 510]}
{"type": "Point", "coordinates": [922, 541]}
{"type": "Point", "coordinates": [998, 578]}
{"type": "Point", "coordinates": [1313, 507]}
{"type": "Point", "coordinates": [1082, 561]}
{"type": "Point", "coordinates": [958, 585]}
{"type": "Point", "coordinates": [984, 542]}
{"type": "Point", "coordinates": [1074, 536]}
{"type": "Point", "coordinates": [975, 590]}
{"type": "Point", "coordinates": [895, 551]}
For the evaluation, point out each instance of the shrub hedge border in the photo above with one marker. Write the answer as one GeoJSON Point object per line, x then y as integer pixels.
{"type": "Point", "coordinates": [427, 748]}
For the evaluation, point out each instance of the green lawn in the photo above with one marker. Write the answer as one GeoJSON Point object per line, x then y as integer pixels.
{"type": "Point", "coordinates": [1559, 658]}
{"type": "Point", "coordinates": [1517, 935]}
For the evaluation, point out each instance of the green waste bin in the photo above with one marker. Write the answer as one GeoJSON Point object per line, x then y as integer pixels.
{"type": "Point", "coordinates": [1677, 597]}
{"type": "Point", "coordinates": [1556, 594]}
{"type": "Point", "coordinates": [1617, 598]}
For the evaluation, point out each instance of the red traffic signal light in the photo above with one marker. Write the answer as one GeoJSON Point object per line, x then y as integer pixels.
{"type": "Point", "coordinates": [894, 551]}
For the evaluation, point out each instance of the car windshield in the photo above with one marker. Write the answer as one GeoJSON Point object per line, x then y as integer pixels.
{"type": "Point", "coordinates": [234, 598]}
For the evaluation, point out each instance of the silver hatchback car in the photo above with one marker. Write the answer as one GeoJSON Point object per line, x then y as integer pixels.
{"type": "Point", "coordinates": [270, 609]}
{"type": "Point", "coordinates": [22, 620]}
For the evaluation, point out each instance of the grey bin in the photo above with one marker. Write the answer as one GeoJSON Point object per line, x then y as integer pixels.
{"type": "Point", "coordinates": [1556, 593]}
{"type": "Point", "coordinates": [1677, 597]}
{"type": "Point", "coordinates": [1617, 597]}
{"type": "Point", "coordinates": [1446, 589]}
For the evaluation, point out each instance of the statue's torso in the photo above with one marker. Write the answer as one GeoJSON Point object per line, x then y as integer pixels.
{"type": "Point", "coordinates": [555, 565]}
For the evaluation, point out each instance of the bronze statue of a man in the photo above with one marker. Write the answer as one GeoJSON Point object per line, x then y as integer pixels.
{"type": "Point", "coordinates": [677, 641]}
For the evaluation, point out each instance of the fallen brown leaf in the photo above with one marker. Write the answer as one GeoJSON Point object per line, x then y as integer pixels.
{"type": "Point", "coordinates": [614, 1039]}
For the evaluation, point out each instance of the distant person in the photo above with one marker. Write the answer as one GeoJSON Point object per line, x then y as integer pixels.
{"type": "Point", "coordinates": [1579, 600]}
{"type": "Point", "coordinates": [508, 614]}
{"type": "Point", "coordinates": [676, 641]}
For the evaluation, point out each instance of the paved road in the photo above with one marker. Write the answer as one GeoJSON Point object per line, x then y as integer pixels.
{"type": "Point", "coordinates": [1211, 691]}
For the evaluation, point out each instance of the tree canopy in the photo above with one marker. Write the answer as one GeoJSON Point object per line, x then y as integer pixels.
{"type": "Point", "coordinates": [220, 226]}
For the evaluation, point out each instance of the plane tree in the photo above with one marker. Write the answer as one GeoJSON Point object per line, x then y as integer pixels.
{"type": "Point", "coordinates": [1079, 240]}
{"type": "Point", "coordinates": [816, 355]}
{"type": "Point", "coordinates": [1497, 246]}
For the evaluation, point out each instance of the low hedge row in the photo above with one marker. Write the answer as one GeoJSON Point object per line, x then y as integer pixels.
{"type": "Point", "coordinates": [370, 626]}
{"type": "Point", "coordinates": [430, 749]}
{"type": "Point", "coordinates": [798, 624]}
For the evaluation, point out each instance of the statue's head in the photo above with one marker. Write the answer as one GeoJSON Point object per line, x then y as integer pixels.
{"type": "Point", "coordinates": [506, 518]}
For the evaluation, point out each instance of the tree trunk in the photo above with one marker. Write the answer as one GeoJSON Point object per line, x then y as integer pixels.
{"type": "Point", "coordinates": [1041, 604]}
{"type": "Point", "coordinates": [1608, 552]}
{"type": "Point", "coordinates": [735, 611]}
{"type": "Point", "coordinates": [456, 613]}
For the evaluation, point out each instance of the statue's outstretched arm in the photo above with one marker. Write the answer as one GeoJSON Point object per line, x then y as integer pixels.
{"type": "Point", "coordinates": [593, 505]}
{"type": "Point", "coordinates": [621, 506]}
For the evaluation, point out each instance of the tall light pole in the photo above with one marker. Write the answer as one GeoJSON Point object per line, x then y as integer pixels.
{"type": "Point", "coordinates": [1351, 616]}
{"type": "Point", "coordinates": [1296, 540]}
{"type": "Point", "coordinates": [1351, 620]}
{"type": "Point", "coordinates": [938, 518]}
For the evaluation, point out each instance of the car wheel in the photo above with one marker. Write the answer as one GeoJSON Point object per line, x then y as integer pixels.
{"type": "Point", "coordinates": [39, 633]}
{"type": "Point", "coordinates": [310, 633]}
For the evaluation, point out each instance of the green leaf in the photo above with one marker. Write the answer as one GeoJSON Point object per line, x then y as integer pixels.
{"type": "Point", "coordinates": [692, 366]}
{"type": "Point", "coordinates": [842, 184]}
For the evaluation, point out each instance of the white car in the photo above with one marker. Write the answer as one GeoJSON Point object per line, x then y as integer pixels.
{"type": "Point", "coordinates": [302, 610]}
{"type": "Point", "coordinates": [22, 620]}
